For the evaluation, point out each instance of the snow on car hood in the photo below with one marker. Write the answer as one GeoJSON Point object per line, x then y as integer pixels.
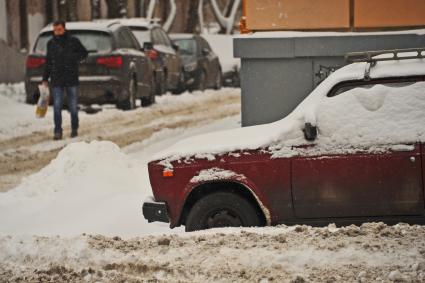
{"type": "Point", "coordinates": [350, 105]}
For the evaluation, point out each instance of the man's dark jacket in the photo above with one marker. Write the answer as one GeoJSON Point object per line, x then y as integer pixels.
{"type": "Point", "coordinates": [63, 56]}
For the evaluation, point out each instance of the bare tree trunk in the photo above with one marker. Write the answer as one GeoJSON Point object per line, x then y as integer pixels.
{"type": "Point", "coordinates": [95, 9]}
{"type": "Point", "coordinates": [71, 7]}
{"type": "Point", "coordinates": [192, 17]}
{"type": "Point", "coordinates": [116, 8]}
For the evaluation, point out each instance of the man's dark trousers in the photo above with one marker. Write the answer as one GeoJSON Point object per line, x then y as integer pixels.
{"type": "Point", "coordinates": [72, 94]}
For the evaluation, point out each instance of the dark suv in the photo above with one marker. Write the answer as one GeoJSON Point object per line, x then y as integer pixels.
{"type": "Point", "coordinates": [158, 46]}
{"type": "Point", "coordinates": [116, 70]}
{"type": "Point", "coordinates": [201, 65]}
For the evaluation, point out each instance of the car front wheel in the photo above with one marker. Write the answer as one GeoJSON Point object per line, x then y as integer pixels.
{"type": "Point", "coordinates": [130, 102]}
{"type": "Point", "coordinates": [222, 209]}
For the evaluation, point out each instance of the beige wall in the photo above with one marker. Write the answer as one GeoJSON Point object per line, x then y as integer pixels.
{"type": "Point", "coordinates": [389, 13]}
{"type": "Point", "coordinates": [333, 14]}
{"type": "Point", "coordinates": [297, 14]}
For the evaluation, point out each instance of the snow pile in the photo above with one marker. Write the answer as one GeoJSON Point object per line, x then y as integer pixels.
{"type": "Point", "coordinates": [373, 252]}
{"type": "Point", "coordinates": [383, 114]}
{"type": "Point", "coordinates": [215, 174]}
{"type": "Point", "coordinates": [13, 91]}
{"type": "Point", "coordinates": [76, 191]}
{"type": "Point", "coordinates": [222, 45]}
{"type": "Point", "coordinates": [15, 115]}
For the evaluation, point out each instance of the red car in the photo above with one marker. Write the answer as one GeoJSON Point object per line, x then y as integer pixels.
{"type": "Point", "coordinates": [351, 152]}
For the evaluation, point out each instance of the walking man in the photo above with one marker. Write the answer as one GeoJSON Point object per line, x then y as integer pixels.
{"type": "Point", "coordinates": [64, 53]}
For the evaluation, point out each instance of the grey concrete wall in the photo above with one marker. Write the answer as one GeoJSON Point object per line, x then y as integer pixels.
{"type": "Point", "coordinates": [278, 73]}
{"type": "Point", "coordinates": [12, 64]}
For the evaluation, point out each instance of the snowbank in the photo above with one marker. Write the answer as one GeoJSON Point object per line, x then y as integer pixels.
{"type": "Point", "coordinates": [373, 252]}
{"type": "Point", "coordinates": [92, 188]}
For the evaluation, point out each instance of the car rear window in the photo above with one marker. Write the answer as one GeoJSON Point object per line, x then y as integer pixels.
{"type": "Point", "coordinates": [142, 34]}
{"type": "Point", "coordinates": [93, 41]}
{"type": "Point", "coordinates": [186, 46]}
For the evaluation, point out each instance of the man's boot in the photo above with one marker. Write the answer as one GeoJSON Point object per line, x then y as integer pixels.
{"type": "Point", "coordinates": [57, 136]}
{"type": "Point", "coordinates": [74, 133]}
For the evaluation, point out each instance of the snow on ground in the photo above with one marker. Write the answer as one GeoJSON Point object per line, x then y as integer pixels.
{"type": "Point", "coordinates": [373, 252]}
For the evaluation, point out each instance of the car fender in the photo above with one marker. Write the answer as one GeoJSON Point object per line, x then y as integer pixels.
{"type": "Point", "coordinates": [235, 179]}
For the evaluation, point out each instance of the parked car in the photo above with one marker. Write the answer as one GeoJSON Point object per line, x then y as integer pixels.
{"type": "Point", "coordinates": [158, 46]}
{"type": "Point", "coordinates": [201, 65]}
{"type": "Point", "coordinates": [351, 152]}
{"type": "Point", "coordinates": [222, 45]}
{"type": "Point", "coordinates": [116, 70]}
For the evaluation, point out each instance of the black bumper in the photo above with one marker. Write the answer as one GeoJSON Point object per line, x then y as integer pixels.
{"type": "Point", "coordinates": [155, 211]}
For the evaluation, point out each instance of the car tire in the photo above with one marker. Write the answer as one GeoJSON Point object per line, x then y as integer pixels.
{"type": "Point", "coordinates": [202, 81]}
{"type": "Point", "coordinates": [161, 84]}
{"type": "Point", "coordinates": [181, 84]}
{"type": "Point", "coordinates": [130, 102]}
{"type": "Point", "coordinates": [147, 101]}
{"type": "Point", "coordinates": [222, 209]}
{"type": "Point", "coordinates": [219, 80]}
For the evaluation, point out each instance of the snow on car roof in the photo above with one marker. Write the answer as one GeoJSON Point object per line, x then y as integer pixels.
{"type": "Point", "coordinates": [134, 22]}
{"type": "Point", "coordinates": [290, 127]}
{"type": "Point", "coordinates": [181, 35]}
{"type": "Point", "coordinates": [97, 26]}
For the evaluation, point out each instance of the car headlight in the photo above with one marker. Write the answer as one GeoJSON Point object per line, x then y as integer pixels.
{"type": "Point", "coordinates": [191, 67]}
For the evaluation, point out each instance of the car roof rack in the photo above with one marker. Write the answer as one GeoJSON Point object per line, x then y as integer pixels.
{"type": "Point", "coordinates": [370, 57]}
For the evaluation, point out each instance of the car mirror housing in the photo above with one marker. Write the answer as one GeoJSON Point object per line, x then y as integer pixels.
{"type": "Point", "coordinates": [310, 132]}
{"type": "Point", "coordinates": [147, 46]}
{"type": "Point", "coordinates": [205, 51]}
{"type": "Point", "coordinates": [175, 47]}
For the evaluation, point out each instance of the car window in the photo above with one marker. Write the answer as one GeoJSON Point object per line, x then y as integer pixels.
{"type": "Point", "coordinates": [142, 34]}
{"type": "Point", "coordinates": [204, 44]}
{"type": "Point", "coordinates": [125, 40]}
{"type": "Point", "coordinates": [186, 46]}
{"type": "Point", "coordinates": [391, 82]}
{"type": "Point", "coordinates": [157, 37]}
{"type": "Point", "coordinates": [165, 39]}
{"type": "Point", "coordinates": [374, 113]}
{"type": "Point", "coordinates": [91, 40]}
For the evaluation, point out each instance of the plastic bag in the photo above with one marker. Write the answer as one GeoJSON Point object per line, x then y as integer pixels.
{"type": "Point", "coordinates": [43, 101]}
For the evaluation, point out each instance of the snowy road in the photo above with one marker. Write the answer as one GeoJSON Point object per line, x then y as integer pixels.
{"type": "Point", "coordinates": [26, 145]}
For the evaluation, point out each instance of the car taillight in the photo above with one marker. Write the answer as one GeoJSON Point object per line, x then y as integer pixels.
{"type": "Point", "coordinates": [35, 62]}
{"type": "Point", "coordinates": [153, 54]}
{"type": "Point", "coordinates": [110, 62]}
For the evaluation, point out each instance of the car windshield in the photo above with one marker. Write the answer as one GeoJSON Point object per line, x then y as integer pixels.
{"type": "Point", "coordinates": [142, 34]}
{"type": "Point", "coordinates": [186, 46]}
{"type": "Point", "coordinates": [93, 41]}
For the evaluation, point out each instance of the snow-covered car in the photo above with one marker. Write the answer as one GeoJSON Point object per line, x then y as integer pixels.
{"type": "Point", "coordinates": [202, 67]}
{"type": "Point", "coordinates": [351, 152]}
{"type": "Point", "coordinates": [116, 70]}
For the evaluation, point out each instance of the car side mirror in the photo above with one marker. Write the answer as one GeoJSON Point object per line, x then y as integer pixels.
{"type": "Point", "coordinates": [147, 46]}
{"type": "Point", "coordinates": [175, 47]}
{"type": "Point", "coordinates": [310, 132]}
{"type": "Point", "coordinates": [205, 51]}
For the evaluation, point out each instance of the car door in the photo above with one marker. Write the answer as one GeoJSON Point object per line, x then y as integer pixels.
{"type": "Point", "coordinates": [173, 58]}
{"type": "Point", "coordinates": [167, 54]}
{"type": "Point", "coordinates": [211, 60]}
{"type": "Point", "coordinates": [366, 161]}
{"type": "Point", "coordinates": [137, 61]}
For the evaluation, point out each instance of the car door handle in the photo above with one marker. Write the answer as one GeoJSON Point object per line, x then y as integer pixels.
{"type": "Point", "coordinates": [412, 159]}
